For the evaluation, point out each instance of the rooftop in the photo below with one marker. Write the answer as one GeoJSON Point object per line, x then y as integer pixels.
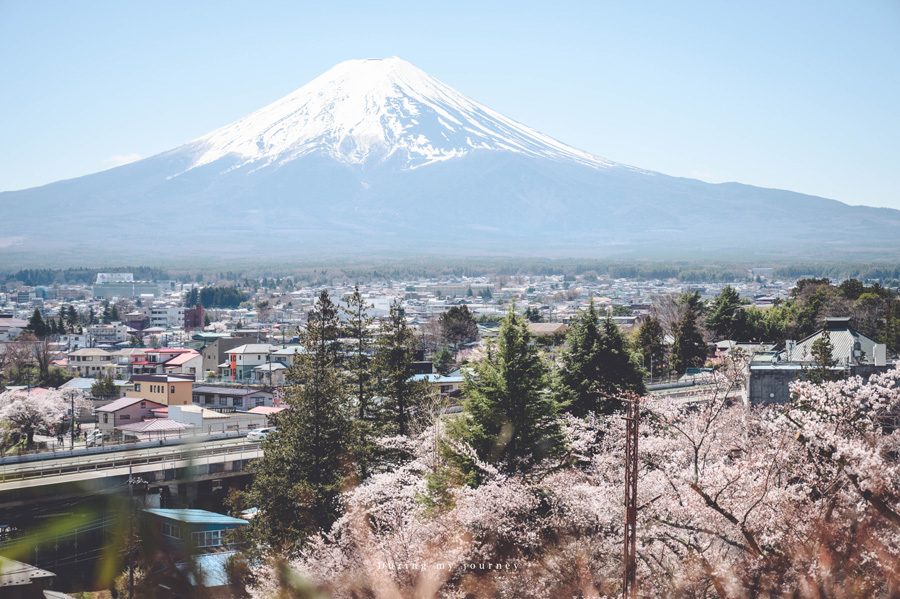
{"type": "Point", "coordinates": [124, 402]}
{"type": "Point", "coordinates": [195, 516]}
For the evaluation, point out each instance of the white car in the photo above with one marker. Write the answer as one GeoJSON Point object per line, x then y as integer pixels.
{"type": "Point", "coordinates": [258, 434]}
{"type": "Point", "coordinates": [95, 437]}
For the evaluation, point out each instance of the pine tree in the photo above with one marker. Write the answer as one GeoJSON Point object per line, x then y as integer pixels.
{"type": "Point", "coordinates": [114, 314]}
{"type": "Point", "coordinates": [74, 324]}
{"type": "Point", "coordinates": [726, 317]}
{"type": "Point", "coordinates": [192, 298]}
{"type": "Point", "coordinates": [651, 342]}
{"type": "Point", "coordinates": [510, 417]}
{"type": "Point", "coordinates": [689, 348]}
{"type": "Point", "coordinates": [596, 366]}
{"type": "Point", "coordinates": [458, 325]}
{"type": "Point", "coordinates": [358, 365]}
{"type": "Point", "coordinates": [298, 480]}
{"type": "Point", "coordinates": [92, 317]}
{"type": "Point", "coordinates": [37, 325]}
{"type": "Point", "coordinates": [394, 354]}
{"type": "Point", "coordinates": [822, 352]}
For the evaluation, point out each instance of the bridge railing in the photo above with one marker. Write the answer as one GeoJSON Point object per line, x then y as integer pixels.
{"type": "Point", "coordinates": [82, 449]}
{"type": "Point", "coordinates": [164, 455]}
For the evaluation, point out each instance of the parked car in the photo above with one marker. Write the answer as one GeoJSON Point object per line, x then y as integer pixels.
{"type": "Point", "coordinates": [95, 437]}
{"type": "Point", "coordinates": [258, 434]}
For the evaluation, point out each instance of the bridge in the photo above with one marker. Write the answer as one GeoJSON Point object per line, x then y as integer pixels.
{"type": "Point", "coordinates": [42, 477]}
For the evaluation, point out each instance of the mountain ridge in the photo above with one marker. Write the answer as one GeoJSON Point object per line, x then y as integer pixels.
{"type": "Point", "coordinates": [377, 155]}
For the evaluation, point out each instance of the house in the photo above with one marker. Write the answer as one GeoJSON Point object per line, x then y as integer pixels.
{"type": "Point", "coordinates": [167, 389]}
{"type": "Point", "coordinates": [208, 421]}
{"type": "Point", "coordinates": [11, 327]}
{"type": "Point", "coordinates": [769, 373]}
{"type": "Point", "coordinates": [198, 541]}
{"type": "Point", "coordinates": [286, 354]}
{"type": "Point", "coordinates": [242, 360]}
{"type": "Point", "coordinates": [194, 531]}
{"type": "Point", "coordinates": [271, 374]}
{"type": "Point", "coordinates": [187, 362]}
{"type": "Point", "coordinates": [214, 353]}
{"type": "Point", "coordinates": [224, 398]}
{"type": "Point", "coordinates": [89, 361]}
{"type": "Point", "coordinates": [23, 581]}
{"type": "Point", "coordinates": [126, 410]}
{"type": "Point", "coordinates": [547, 329]}
{"type": "Point", "coordinates": [445, 385]}
{"type": "Point", "coordinates": [108, 334]}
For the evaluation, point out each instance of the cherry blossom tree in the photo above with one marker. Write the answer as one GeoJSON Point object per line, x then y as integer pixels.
{"type": "Point", "coordinates": [26, 412]}
{"type": "Point", "coordinates": [800, 500]}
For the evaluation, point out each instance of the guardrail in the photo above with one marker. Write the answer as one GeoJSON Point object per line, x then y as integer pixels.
{"type": "Point", "coordinates": [191, 453]}
{"type": "Point", "coordinates": [119, 446]}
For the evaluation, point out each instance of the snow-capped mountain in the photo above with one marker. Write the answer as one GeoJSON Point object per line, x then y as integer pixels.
{"type": "Point", "coordinates": [375, 157]}
{"type": "Point", "coordinates": [372, 109]}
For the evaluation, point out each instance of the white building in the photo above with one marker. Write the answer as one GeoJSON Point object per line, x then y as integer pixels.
{"type": "Point", "coordinates": [167, 317]}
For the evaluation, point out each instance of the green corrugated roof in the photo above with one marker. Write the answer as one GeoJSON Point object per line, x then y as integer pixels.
{"type": "Point", "coordinates": [195, 516]}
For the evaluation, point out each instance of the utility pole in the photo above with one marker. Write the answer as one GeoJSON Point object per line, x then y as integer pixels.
{"type": "Point", "coordinates": [72, 432]}
{"type": "Point", "coordinates": [130, 534]}
{"type": "Point", "coordinates": [632, 420]}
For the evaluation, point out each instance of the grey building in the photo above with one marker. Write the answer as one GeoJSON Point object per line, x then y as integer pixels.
{"type": "Point", "coordinates": [770, 373]}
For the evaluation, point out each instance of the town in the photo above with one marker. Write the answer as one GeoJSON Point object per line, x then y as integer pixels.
{"type": "Point", "coordinates": [176, 389]}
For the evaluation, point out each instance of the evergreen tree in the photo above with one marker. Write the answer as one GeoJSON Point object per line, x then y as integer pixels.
{"type": "Point", "coordinates": [726, 317]}
{"type": "Point", "coordinates": [104, 387]}
{"type": "Point", "coordinates": [192, 298]}
{"type": "Point", "coordinates": [394, 354]}
{"type": "Point", "coordinates": [458, 325]}
{"type": "Point", "coordinates": [651, 341]}
{"type": "Point", "coordinates": [890, 335]}
{"type": "Point", "coordinates": [510, 419]}
{"type": "Point", "coordinates": [298, 480]}
{"type": "Point", "coordinates": [358, 361]}
{"type": "Point", "coordinates": [37, 325]}
{"type": "Point", "coordinates": [443, 360]}
{"type": "Point", "coordinates": [92, 318]}
{"type": "Point", "coordinates": [689, 348]}
{"type": "Point", "coordinates": [822, 352]}
{"type": "Point", "coordinates": [693, 302]}
{"type": "Point", "coordinates": [114, 314]}
{"type": "Point", "coordinates": [533, 315]}
{"type": "Point", "coordinates": [105, 316]}
{"type": "Point", "coordinates": [72, 317]}
{"type": "Point", "coordinates": [596, 366]}
{"type": "Point", "coordinates": [358, 365]}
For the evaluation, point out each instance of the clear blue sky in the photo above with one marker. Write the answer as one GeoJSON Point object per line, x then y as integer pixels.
{"type": "Point", "coordinates": [800, 95]}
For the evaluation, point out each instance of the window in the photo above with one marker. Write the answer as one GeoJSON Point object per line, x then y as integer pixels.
{"type": "Point", "coordinates": [125, 417]}
{"type": "Point", "coordinates": [143, 404]}
{"type": "Point", "coordinates": [260, 402]}
{"type": "Point", "coordinates": [209, 538]}
{"type": "Point", "coordinates": [223, 401]}
{"type": "Point", "coordinates": [172, 389]}
{"type": "Point", "coordinates": [237, 401]}
{"type": "Point", "coordinates": [137, 386]}
{"type": "Point", "coordinates": [171, 530]}
{"type": "Point", "coordinates": [105, 418]}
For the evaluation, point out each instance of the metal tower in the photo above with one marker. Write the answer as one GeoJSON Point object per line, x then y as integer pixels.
{"type": "Point", "coordinates": [632, 419]}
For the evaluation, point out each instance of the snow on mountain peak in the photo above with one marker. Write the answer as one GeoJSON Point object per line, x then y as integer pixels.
{"type": "Point", "coordinates": [371, 109]}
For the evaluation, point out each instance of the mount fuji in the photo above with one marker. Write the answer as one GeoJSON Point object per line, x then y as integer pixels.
{"type": "Point", "coordinates": [375, 157]}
